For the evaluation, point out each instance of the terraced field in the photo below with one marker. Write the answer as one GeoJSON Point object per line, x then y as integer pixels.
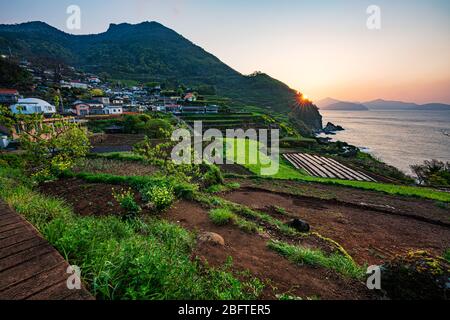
{"type": "Point", "coordinates": [229, 121]}
{"type": "Point", "coordinates": [324, 167]}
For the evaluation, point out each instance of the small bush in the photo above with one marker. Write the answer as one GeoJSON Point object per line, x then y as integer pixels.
{"type": "Point", "coordinates": [416, 276]}
{"type": "Point", "coordinates": [161, 196]}
{"type": "Point", "coordinates": [12, 160]}
{"type": "Point", "coordinates": [212, 176]}
{"type": "Point", "coordinates": [125, 198]}
{"type": "Point", "coordinates": [221, 216]}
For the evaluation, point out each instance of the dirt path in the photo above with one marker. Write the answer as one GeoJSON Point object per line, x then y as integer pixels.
{"type": "Point", "coordinates": [369, 236]}
{"type": "Point", "coordinates": [249, 252]}
{"type": "Point", "coordinates": [30, 268]}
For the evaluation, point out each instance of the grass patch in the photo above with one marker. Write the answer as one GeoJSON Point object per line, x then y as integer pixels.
{"type": "Point", "coordinates": [225, 216]}
{"type": "Point", "coordinates": [243, 149]}
{"type": "Point", "coordinates": [221, 188]}
{"type": "Point", "coordinates": [124, 156]}
{"type": "Point", "coordinates": [241, 212]}
{"type": "Point", "coordinates": [315, 257]}
{"type": "Point", "coordinates": [222, 216]}
{"type": "Point", "coordinates": [125, 259]}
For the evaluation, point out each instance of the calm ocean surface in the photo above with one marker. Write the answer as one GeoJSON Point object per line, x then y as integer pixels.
{"type": "Point", "coordinates": [399, 138]}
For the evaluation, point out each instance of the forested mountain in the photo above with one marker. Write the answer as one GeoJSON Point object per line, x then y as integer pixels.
{"type": "Point", "coordinates": [149, 52]}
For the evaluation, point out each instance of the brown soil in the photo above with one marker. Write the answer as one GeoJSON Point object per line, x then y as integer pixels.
{"type": "Point", "coordinates": [87, 199]}
{"type": "Point", "coordinates": [115, 167]}
{"type": "Point", "coordinates": [427, 209]}
{"type": "Point", "coordinates": [370, 236]}
{"type": "Point", "coordinates": [235, 169]}
{"type": "Point", "coordinates": [114, 140]}
{"type": "Point", "coordinates": [250, 252]}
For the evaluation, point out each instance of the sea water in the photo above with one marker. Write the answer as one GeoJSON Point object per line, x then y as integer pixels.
{"type": "Point", "coordinates": [399, 138]}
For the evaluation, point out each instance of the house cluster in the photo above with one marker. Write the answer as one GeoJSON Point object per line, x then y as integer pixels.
{"type": "Point", "coordinates": [115, 99]}
{"type": "Point", "coordinates": [139, 99]}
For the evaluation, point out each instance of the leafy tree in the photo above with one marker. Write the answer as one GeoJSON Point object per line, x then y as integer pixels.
{"type": "Point", "coordinates": [97, 93]}
{"type": "Point", "coordinates": [50, 146]}
{"type": "Point", "coordinates": [433, 172]}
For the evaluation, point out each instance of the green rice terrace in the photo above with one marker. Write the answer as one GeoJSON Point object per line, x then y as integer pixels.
{"type": "Point", "coordinates": [140, 227]}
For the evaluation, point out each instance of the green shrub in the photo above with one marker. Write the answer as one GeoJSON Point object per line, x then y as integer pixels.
{"type": "Point", "coordinates": [12, 160]}
{"type": "Point", "coordinates": [161, 196]}
{"type": "Point", "coordinates": [221, 216]}
{"type": "Point", "coordinates": [212, 176]}
{"type": "Point", "coordinates": [125, 198]}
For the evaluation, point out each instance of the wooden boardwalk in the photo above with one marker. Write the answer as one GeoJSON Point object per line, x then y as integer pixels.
{"type": "Point", "coordinates": [30, 268]}
{"type": "Point", "coordinates": [325, 167]}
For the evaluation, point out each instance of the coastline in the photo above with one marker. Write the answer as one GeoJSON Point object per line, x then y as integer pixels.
{"type": "Point", "coordinates": [397, 138]}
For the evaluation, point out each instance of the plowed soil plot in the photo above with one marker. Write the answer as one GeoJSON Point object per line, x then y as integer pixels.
{"type": "Point", "coordinates": [114, 167]}
{"type": "Point", "coordinates": [87, 199]}
{"type": "Point", "coordinates": [249, 252]}
{"type": "Point", "coordinates": [369, 236]}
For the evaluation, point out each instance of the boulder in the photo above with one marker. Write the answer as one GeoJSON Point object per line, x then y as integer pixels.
{"type": "Point", "coordinates": [299, 225]}
{"type": "Point", "coordinates": [211, 237]}
{"type": "Point", "coordinates": [331, 128]}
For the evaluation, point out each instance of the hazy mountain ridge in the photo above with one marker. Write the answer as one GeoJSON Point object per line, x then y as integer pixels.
{"type": "Point", "coordinates": [379, 104]}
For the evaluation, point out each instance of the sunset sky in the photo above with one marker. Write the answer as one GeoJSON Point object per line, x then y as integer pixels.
{"type": "Point", "coordinates": [322, 48]}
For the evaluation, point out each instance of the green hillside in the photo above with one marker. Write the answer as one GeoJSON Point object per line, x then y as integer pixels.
{"type": "Point", "coordinates": [150, 52]}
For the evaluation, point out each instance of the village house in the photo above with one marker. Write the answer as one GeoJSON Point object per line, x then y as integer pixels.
{"type": "Point", "coordinates": [103, 100]}
{"type": "Point", "coordinates": [32, 106]}
{"type": "Point", "coordinates": [78, 85]}
{"type": "Point", "coordinates": [190, 97]}
{"type": "Point", "coordinates": [80, 108]}
{"type": "Point", "coordinates": [117, 101]}
{"type": "Point", "coordinates": [9, 96]}
{"type": "Point", "coordinates": [94, 80]}
{"type": "Point", "coordinates": [113, 110]}
{"type": "Point", "coordinates": [200, 109]}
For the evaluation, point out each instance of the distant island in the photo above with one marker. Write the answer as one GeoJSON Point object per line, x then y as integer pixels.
{"type": "Point", "coordinates": [379, 104]}
{"type": "Point", "coordinates": [333, 104]}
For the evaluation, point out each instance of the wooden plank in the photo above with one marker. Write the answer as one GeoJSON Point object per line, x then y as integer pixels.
{"type": "Point", "coordinates": [30, 268]}
{"type": "Point", "coordinates": [36, 284]}
{"type": "Point", "coordinates": [24, 256]}
{"type": "Point", "coordinates": [11, 226]}
{"type": "Point", "coordinates": [12, 232]}
{"type": "Point", "coordinates": [9, 220]}
{"type": "Point", "coordinates": [19, 247]}
{"type": "Point", "coordinates": [27, 270]}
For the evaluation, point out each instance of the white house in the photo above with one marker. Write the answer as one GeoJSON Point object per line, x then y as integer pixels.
{"type": "Point", "coordinates": [103, 100]}
{"type": "Point", "coordinates": [113, 110]}
{"type": "Point", "coordinates": [31, 106]}
{"type": "Point", "coordinates": [78, 85]}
